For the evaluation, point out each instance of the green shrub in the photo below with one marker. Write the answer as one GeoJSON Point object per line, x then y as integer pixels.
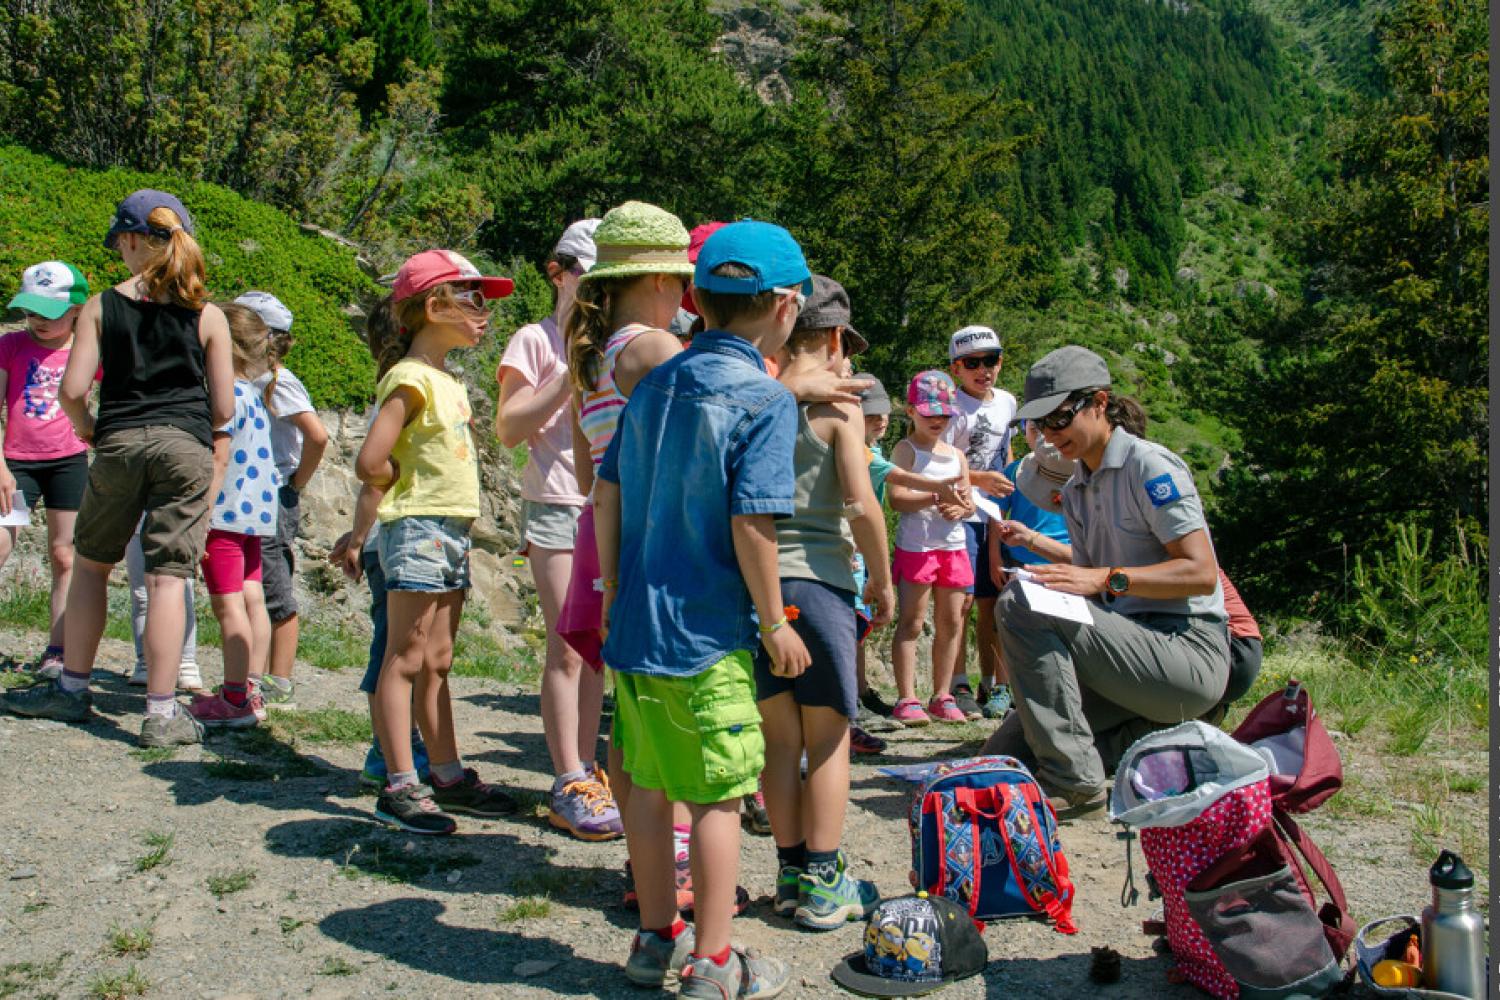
{"type": "Point", "coordinates": [52, 211]}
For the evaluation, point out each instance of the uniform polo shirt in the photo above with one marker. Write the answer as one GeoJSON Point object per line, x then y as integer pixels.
{"type": "Point", "coordinates": [1124, 512]}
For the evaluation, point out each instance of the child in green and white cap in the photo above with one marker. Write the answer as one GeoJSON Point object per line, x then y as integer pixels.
{"type": "Point", "coordinates": [43, 459]}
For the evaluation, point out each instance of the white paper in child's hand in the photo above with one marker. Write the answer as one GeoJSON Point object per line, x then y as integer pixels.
{"type": "Point", "coordinates": [987, 506]}
{"type": "Point", "coordinates": [19, 516]}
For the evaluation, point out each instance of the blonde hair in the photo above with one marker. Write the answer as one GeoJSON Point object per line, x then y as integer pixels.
{"type": "Point", "coordinates": [392, 325]}
{"type": "Point", "coordinates": [248, 334]}
{"type": "Point", "coordinates": [174, 271]}
{"type": "Point", "coordinates": [590, 324]}
{"type": "Point", "coordinates": [278, 343]}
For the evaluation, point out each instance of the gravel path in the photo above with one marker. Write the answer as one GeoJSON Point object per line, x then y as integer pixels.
{"type": "Point", "coordinates": [314, 899]}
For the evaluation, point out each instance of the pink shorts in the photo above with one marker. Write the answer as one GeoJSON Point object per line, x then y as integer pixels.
{"type": "Point", "coordinates": [950, 570]}
{"type": "Point", "coordinates": [229, 559]}
{"type": "Point", "coordinates": [583, 607]}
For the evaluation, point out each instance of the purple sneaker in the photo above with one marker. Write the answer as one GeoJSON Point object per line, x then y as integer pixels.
{"type": "Point", "coordinates": [586, 808]}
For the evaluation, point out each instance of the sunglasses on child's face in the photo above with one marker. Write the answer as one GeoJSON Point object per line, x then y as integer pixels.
{"type": "Point", "coordinates": [1062, 417]}
{"type": "Point", "coordinates": [977, 361]}
{"type": "Point", "coordinates": [471, 298]}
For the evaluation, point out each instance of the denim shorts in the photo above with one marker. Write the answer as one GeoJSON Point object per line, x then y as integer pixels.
{"type": "Point", "coordinates": [375, 577]}
{"type": "Point", "coordinates": [425, 553]}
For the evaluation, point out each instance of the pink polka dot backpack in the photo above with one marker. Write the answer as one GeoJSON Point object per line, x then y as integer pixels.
{"type": "Point", "coordinates": [1213, 813]}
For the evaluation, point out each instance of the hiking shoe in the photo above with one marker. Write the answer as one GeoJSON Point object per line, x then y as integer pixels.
{"type": "Point", "coordinates": [746, 974]}
{"type": "Point", "coordinates": [586, 809]}
{"type": "Point", "coordinates": [188, 678]}
{"type": "Point", "coordinates": [411, 808]}
{"type": "Point", "coordinates": [278, 692]}
{"type": "Point", "coordinates": [180, 730]}
{"type": "Point", "coordinates": [656, 961]}
{"type": "Point", "coordinates": [755, 815]}
{"type": "Point", "coordinates": [47, 700]}
{"type": "Point", "coordinates": [788, 891]}
{"type": "Point", "coordinates": [943, 708]}
{"type": "Point", "coordinates": [996, 701]}
{"type": "Point", "coordinates": [473, 797]}
{"type": "Point", "coordinates": [374, 774]}
{"type": "Point", "coordinates": [871, 700]}
{"type": "Point", "coordinates": [861, 742]}
{"type": "Point", "coordinates": [963, 697]}
{"type": "Point", "coordinates": [1078, 805]}
{"type": "Point", "coordinates": [825, 905]}
{"type": "Point", "coordinates": [217, 712]}
{"type": "Point", "coordinates": [49, 665]}
{"type": "Point", "coordinates": [908, 712]}
{"type": "Point", "coordinates": [872, 723]}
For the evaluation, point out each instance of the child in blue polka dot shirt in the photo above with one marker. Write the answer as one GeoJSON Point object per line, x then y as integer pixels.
{"type": "Point", "coordinates": [244, 512]}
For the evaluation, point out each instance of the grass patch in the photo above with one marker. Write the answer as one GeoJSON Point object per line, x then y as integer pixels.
{"type": "Point", "coordinates": [126, 941]}
{"type": "Point", "coordinates": [1358, 798]}
{"type": "Point", "coordinates": [153, 755]}
{"type": "Point", "coordinates": [477, 654]}
{"type": "Point", "coordinates": [230, 883]}
{"type": "Point", "coordinates": [336, 966]}
{"type": "Point", "coordinates": [361, 851]}
{"type": "Point", "coordinates": [527, 908]}
{"type": "Point", "coordinates": [36, 906]}
{"type": "Point", "coordinates": [1409, 729]}
{"type": "Point", "coordinates": [119, 987]}
{"type": "Point", "coordinates": [17, 976]}
{"type": "Point", "coordinates": [323, 725]}
{"type": "Point", "coordinates": [332, 648]}
{"type": "Point", "coordinates": [15, 679]}
{"type": "Point", "coordinates": [159, 846]}
{"type": "Point", "coordinates": [289, 924]}
{"type": "Point", "coordinates": [26, 603]}
{"type": "Point", "coordinates": [260, 754]}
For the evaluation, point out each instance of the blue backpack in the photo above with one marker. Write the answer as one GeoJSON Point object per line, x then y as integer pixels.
{"type": "Point", "coordinates": [984, 836]}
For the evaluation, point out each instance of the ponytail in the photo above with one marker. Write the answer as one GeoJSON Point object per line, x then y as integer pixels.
{"type": "Point", "coordinates": [278, 343]}
{"type": "Point", "coordinates": [1127, 414]}
{"type": "Point", "coordinates": [589, 328]}
{"type": "Point", "coordinates": [247, 338]}
{"type": "Point", "coordinates": [175, 271]}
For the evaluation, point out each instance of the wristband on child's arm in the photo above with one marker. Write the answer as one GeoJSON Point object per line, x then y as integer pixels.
{"type": "Point", "coordinates": [768, 629]}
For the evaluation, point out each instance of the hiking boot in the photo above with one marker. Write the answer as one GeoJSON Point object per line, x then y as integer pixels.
{"type": "Point", "coordinates": [996, 701]}
{"type": "Point", "coordinates": [963, 697]}
{"type": "Point", "coordinates": [1079, 804]}
{"type": "Point", "coordinates": [180, 730]}
{"type": "Point", "coordinates": [825, 905]}
{"type": "Point", "coordinates": [908, 712]}
{"type": "Point", "coordinates": [787, 891]}
{"type": "Point", "coordinates": [944, 708]}
{"type": "Point", "coordinates": [656, 961]}
{"type": "Point", "coordinates": [188, 678]}
{"type": "Point", "coordinates": [872, 700]}
{"type": "Point", "coordinates": [861, 742]}
{"type": "Point", "coordinates": [586, 809]}
{"type": "Point", "coordinates": [47, 700]}
{"type": "Point", "coordinates": [872, 723]}
{"type": "Point", "coordinates": [755, 815]}
{"type": "Point", "coordinates": [49, 665]}
{"type": "Point", "coordinates": [746, 974]}
{"type": "Point", "coordinates": [473, 797]}
{"type": "Point", "coordinates": [217, 712]}
{"type": "Point", "coordinates": [278, 692]}
{"type": "Point", "coordinates": [411, 808]}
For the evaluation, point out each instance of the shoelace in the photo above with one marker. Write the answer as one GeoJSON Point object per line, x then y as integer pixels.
{"type": "Point", "coordinates": [595, 794]}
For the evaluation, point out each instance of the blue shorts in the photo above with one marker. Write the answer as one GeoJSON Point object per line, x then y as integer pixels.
{"type": "Point", "coordinates": [426, 554]}
{"type": "Point", "coordinates": [976, 541]}
{"type": "Point", "coordinates": [375, 577]}
{"type": "Point", "coordinates": [826, 625]}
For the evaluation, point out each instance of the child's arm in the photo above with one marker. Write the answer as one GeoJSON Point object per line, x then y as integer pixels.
{"type": "Point", "coordinates": [755, 550]}
{"type": "Point", "coordinates": [314, 443]}
{"type": "Point", "coordinates": [583, 462]}
{"type": "Point", "coordinates": [1017, 534]}
{"type": "Point", "coordinates": [607, 541]}
{"type": "Point", "coordinates": [78, 374]}
{"type": "Point", "coordinates": [958, 504]}
{"type": "Point", "coordinates": [998, 570]}
{"type": "Point", "coordinates": [525, 408]}
{"type": "Point", "coordinates": [218, 361]}
{"type": "Point", "coordinates": [904, 499]}
{"type": "Point", "coordinates": [347, 550]}
{"type": "Point", "coordinates": [921, 484]}
{"type": "Point", "coordinates": [374, 465]}
{"type": "Point", "coordinates": [868, 525]}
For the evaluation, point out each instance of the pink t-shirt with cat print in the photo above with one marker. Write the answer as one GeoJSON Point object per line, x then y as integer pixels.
{"type": "Point", "coordinates": [36, 429]}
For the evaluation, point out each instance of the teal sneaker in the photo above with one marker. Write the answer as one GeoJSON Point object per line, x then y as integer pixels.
{"type": "Point", "coordinates": [374, 775]}
{"type": "Point", "coordinates": [278, 692]}
{"type": "Point", "coordinates": [788, 892]}
{"type": "Point", "coordinates": [998, 702]}
{"type": "Point", "coordinates": [824, 906]}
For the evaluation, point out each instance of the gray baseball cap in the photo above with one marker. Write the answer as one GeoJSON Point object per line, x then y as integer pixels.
{"type": "Point", "coordinates": [828, 306]}
{"type": "Point", "coordinates": [874, 401]}
{"type": "Point", "coordinates": [1058, 375]}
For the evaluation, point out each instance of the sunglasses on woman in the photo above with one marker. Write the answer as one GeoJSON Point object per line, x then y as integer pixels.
{"type": "Point", "coordinates": [977, 361]}
{"type": "Point", "coordinates": [1062, 417]}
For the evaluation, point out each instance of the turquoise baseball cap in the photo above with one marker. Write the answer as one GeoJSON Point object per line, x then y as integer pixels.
{"type": "Point", "coordinates": [764, 248]}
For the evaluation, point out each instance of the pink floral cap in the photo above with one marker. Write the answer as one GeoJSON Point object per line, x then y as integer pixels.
{"type": "Point", "coordinates": [933, 394]}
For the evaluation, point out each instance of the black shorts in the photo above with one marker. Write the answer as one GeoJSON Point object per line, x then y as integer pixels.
{"type": "Point", "coordinates": [826, 624]}
{"type": "Point", "coordinates": [59, 482]}
{"type": "Point", "coordinates": [278, 562]}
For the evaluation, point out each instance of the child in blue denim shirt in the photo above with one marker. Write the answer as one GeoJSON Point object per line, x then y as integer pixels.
{"type": "Point", "coordinates": [703, 455]}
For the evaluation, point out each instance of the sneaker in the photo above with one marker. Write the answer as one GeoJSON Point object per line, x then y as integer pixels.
{"type": "Point", "coordinates": [861, 742]}
{"type": "Point", "coordinates": [755, 815]}
{"type": "Point", "coordinates": [997, 703]}
{"type": "Point", "coordinates": [1078, 805]}
{"type": "Point", "coordinates": [47, 700]}
{"type": "Point", "coordinates": [412, 808]}
{"type": "Point", "coordinates": [215, 711]}
{"type": "Point", "coordinates": [471, 796]}
{"type": "Point", "coordinates": [586, 809]}
{"type": "Point", "coordinates": [823, 906]}
{"type": "Point", "coordinates": [188, 678]}
{"type": "Point", "coordinates": [258, 706]}
{"type": "Point", "coordinates": [872, 723]}
{"type": "Point", "coordinates": [656, 961]}
{"type": "Point", "coordinates": [944, 708]}
{"type": "Point", "coordinates": [787, 891]}
{"type": "Point", "coordinates": [746, 974]}
{"type": "Point", "coordinates": [963, 697]}
{"type": "Point", "coordinates": [278, 692]}
{"type": "Point", "coordinates": [908, 712]}
{"type": "Point", "coordinates": [138, 676]}
{"type": "Point", "coordinates": [871, 700]}
{"type": "Point", "coordinates": [49, 665]}
{"type": "Point", "coordinates": [180, 730]}
{"type": "Point", "coordinates": [374, 774]}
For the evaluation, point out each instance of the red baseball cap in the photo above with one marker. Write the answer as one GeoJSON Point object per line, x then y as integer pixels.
{"type": "Point", "coordinates": [696, 238]}
{"type": "Point", "coordinates": [435, 267]}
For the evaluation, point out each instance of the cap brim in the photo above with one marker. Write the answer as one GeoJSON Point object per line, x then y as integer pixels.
{"type": "Point", "coordinates": [496, 288]}
{"type": "Point", "coordinates": [1040, 407]}
{"type": "Point", "coordinates": [853, 975]}
{"type": "Point", "coordinates": [854, 342]}
{"type": "Point", "coordinates": [928, 410]}
{"type": "Point", "coordinates": [47, 308]}
{"type": "Point", "coordinates": [1037, 488]}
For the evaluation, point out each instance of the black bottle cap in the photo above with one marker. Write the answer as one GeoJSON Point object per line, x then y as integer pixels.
{"type": "Point", "coordinates": [1450, 872]}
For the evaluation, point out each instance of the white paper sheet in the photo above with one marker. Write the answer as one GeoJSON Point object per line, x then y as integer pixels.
{"type": "Point", "coordinates": [987, 506]}
{"type": "Point", "coordinates": [1069, 607]}
{"type": "Point", "coordinates": [19, 516]}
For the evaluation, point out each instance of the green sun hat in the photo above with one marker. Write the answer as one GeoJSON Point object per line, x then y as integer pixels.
{"type": "Point", "coordinates": [637, 238]}
{"type": "Point", "coordinates": [50, 289]}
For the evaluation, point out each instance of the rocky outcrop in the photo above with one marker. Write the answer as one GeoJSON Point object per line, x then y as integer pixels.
{"type": "Point", "coordinates": [757, 44]}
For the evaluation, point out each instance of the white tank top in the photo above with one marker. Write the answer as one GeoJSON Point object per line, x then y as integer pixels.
{"type": "Point", "coordinates": [926, 530]}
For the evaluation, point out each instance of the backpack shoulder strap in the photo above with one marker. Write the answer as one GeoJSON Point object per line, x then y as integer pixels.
{"type": "Point", "coordinates": [1056, 900]}
{"type": "Point", "coordinates": [1338, 924]}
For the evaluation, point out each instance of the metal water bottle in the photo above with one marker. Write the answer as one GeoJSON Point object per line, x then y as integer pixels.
{"type": "Point", "coordinates": [1453, 958]}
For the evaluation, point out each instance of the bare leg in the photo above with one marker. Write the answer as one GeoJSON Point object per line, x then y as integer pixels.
{"type": "Point", "coordinates": [163, 633]}
{"type": "Point", "coordinates": [947, 620]}
{"type": "Point", "coordinates": [60, 555]}
{"type": "Point", "coordinates": [715, 856]}
{"type": "Point", "coordinates": [410, 614]}
{"type": "Point", "coordinates": [284, 647]}
{"type": "Point", "coordinates": [260, 626]}
{"type": "Point", "coordinates": [236, 629]}
{"type": "Point", "coordinates": [571, 693]}
{"type": "Point", "coordinates": [648, 838]}
{"type": "Point", "coordinates": [825, 795]}
{"type": "Point", "coordinates": [433, 704]}
{"type": "Point", "coordinates": [781, 781]}
{"type": "Point", "coordinates": [913, 608]}
{"type": "Point", "coordinates": [988, 641]}
{"type": "Point", "coordinates": [960, 672]}
{"type": "Point", "coordinates": [88, 601]}
{"type": "Point", "coordinates": [7, 544]}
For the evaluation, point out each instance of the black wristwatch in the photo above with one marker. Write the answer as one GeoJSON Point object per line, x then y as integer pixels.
{"type": "Point", "coordinates": [1119, 582]}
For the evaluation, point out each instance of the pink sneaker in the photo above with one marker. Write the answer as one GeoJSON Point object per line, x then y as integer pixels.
{"type": "Point", "coordinates": [908, 711]}
{"type": "Point", "coordinates": [944, 709]}
{"type": "Point", "coordinates": [214, 710]}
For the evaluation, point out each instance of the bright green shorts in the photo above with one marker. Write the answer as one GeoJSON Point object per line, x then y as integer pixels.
{"type": "Point", "coordinates": [696, 738]}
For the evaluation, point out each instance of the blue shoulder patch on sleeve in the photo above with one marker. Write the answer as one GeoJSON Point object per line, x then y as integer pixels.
{"type": "Point", "coordinates": [1161, 490]}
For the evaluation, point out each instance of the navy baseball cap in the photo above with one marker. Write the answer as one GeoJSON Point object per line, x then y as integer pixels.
{"type": "Point", "coordinates": [764, 248]}
{"type": "Point", "coordinates": [132, 213]}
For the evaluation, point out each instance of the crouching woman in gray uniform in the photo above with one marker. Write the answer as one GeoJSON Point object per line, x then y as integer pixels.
{"type": "Point", "coordinates": [1158, 649]}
